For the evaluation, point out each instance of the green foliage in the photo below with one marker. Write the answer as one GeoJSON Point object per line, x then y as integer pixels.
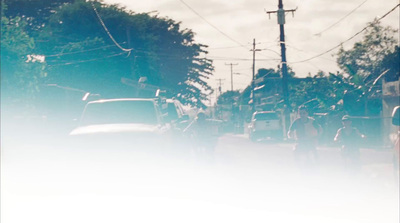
{"type": "Point", "coordinates": [229, 98]}
{"type": "Point", "coordinates": [262, 72]}
{"type": "Point", "coordinates": [364, 60]}
{"type": "Point", "coordinates": [14, 40]}
{"type": "Point", "coordinates": [36, 12]}
{"type": "Point", "coordinates": [355, 92]}
{"type": "Point", "coordinates": [364, 64]}
{"type": "Point", "coordinates": [392, 63]}
{"type": "Point", "coordinates": [19, 79]}
{"type": "Point", "coordinates": [324, 90]}
{"type": "Point", "coordinates": [81, 53]}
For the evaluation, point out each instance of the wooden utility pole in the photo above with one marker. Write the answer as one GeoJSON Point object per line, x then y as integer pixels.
{"type": "Point", "coordinates": [281, 21]}
{"type": "Point", "coordinates": [219, 85]}
{"type": "Point", "coordinates": [216, 97]}
{"type": "Point", "coordinates": [231, 64]}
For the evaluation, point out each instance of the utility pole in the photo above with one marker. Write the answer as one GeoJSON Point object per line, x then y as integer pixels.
{"type": "Point", "coordinates": [231, 64]}
{"type": "Point", "coordinates": [219, 85]}
{"type": "Point", "coordinates": [281, 21]}
{"type": "Point", "coordinates": [253, 108]}
{"type": "Point", "coordinates": [216, 97]}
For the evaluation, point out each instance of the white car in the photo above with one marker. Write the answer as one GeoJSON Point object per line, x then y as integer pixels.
{"type": "Point", "coordinates": [132, 123]}
{"type": "Point", "coordinates": [265, 124]}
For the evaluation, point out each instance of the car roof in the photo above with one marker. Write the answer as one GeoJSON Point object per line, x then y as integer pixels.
{"type": "Point", "coordinates": [121, 99]}
{"type": "Point", "coordinates": [264, 112]}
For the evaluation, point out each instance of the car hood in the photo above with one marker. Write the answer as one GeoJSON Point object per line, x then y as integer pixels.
{"type": "Point", "coordinates": [118, 128]}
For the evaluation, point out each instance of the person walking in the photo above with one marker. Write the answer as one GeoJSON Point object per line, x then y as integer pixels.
{"type": "Point", "coordinates": [305, 130]}
{"type": "Point", "coordinates": [203, 138]}
{"type": "Point", "coordinates": [350, 138]}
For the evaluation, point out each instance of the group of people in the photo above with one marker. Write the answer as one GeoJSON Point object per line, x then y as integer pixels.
{"type": "Point", "coordinates": [306, 131]}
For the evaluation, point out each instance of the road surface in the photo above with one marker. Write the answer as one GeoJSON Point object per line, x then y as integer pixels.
{"type": "Point", "coordinates": [242, 181]}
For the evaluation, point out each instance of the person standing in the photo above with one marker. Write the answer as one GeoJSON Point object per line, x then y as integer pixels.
{"type": "Point", "coordinates": [203, 138]}
{"type": "Point", "coordinates": [350, 139]}
{"type": "Point", "coordinates": [305, 130]}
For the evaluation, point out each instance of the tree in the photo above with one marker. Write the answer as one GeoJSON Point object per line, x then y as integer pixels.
{"type": "Point", "coordinates": [36, 13]}
{"type": "Point", "coordinates": [365, 64]}
{"type": "Point", "coordinates": [263, 72]}
{"type": "Point", "coordinates": [229, 98]}
{"type": "Point", "coordinates": [322, 91]}
{"type": "Point", "coordinates": [19, 76]}
{"type": "Point", "coordinates": [391, 63]}
{"type": "Point", "coordinates": [365, 59]}
{"type": "Point", "coordinates": [229, 101]}
{"type": "Point", "coordinates": [81, 53]}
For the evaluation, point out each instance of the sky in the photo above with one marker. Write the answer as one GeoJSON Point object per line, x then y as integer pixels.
{"type": "Point", "coordinates": [228, 27]}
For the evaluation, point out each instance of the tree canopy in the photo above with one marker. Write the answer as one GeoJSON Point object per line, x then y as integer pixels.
{"type": "Point", "coordinates": [366, 57]}
{"type": "Point", "coordinates": [93, 46]}
{"type": "Point", "coordinates": [19, 74]}
{"type": "Point", "coordinates": [355, 88]}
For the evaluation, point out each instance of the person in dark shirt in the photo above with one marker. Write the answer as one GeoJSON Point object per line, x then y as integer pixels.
{"type": "Point", "coordinates": [350, 139]}
{"type": "Point", "coordinates": [305, 130]}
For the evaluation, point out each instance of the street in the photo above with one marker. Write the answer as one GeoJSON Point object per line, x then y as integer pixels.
{"type": "Point", "coordinates": [243, 181]}
{"type": "Point", "coordinates": [239, 151]}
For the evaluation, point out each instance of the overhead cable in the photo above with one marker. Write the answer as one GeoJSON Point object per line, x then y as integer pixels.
{"type": "Point", "coordinates": [318, 34]}
{"type": "Point", "coordinates": [80, 51]}
{"type": "Point", "coordinates": [216, 28]}
{"type": "Point", "coordinates": [84, 61]}
{"type": "Point", "coordinates": [303, 51]}
{"type": "Point", "coordinates": [240, 59]}
{"type": "Point", "coordinates": [108, 32]}
{"type": "Point", "coordinates": [340, 44]}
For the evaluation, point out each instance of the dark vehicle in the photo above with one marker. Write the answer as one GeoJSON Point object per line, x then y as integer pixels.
{"type": "Point", "coordinates": [265, 124]}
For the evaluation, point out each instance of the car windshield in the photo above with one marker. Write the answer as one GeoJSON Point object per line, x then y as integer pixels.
{"type": "Point", "coordinates": [117, 112]}
{"type": "Point", "coordinates": [266, 116]}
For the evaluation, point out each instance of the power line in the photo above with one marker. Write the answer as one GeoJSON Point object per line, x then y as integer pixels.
{"type": "Point", "coordinates": [216, 28]}
{"type": "Point", "coordinates": [345, 40]}
{"type": "Point", "coordinates": [318, 34]}
{"type": "Point", "coordinates": [227, 47]}
{"type": "Point", "coordinates": [232, 64]}
{"type": "Point", "coordinates": [249, 44]}
{"type": "Point", "coordinates": [240, 59]}
{"type": "Point", "coordinates": [149, 54]}
{"type": "Point", "coordinates": [80, 51]}
{"type": "Point", "coordinates": [303, 51]}
{"type": "Point", "coordinates": [84, 61]}
{"type": "Point", "coordinates": [108, 32]}
{"type": "Point", "coordinates": [306, 52]}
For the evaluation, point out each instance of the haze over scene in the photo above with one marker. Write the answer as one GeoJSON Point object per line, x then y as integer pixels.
{"type": "Point", "coordinates": [229, 27]}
